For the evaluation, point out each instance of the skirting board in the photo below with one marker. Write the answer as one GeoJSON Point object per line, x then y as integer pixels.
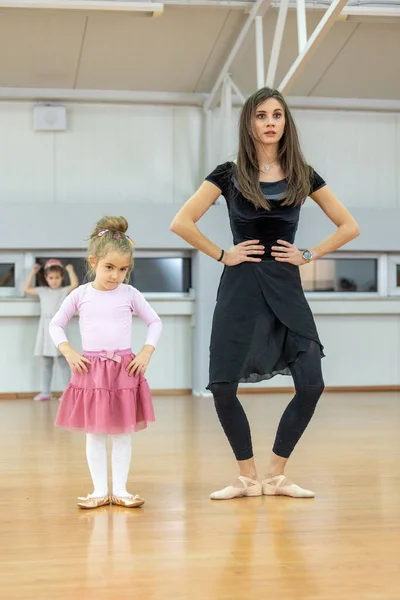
{"type": "Point", "coordinates": [242, 390]}
{"type": "Point", "coordinates": [28, 395]}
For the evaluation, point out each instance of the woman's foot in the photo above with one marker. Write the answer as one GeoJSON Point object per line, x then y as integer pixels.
{"type": "Point", "coordinates": [40, 397]}
{"type": "Point", "coordinates": [281, 486]}
{"type": "Point", "coordinates": [242, 487]}
{"type": "Point", "coordinates": [93, 501]}
{"type": "Point", "coordinates": [128, 501]}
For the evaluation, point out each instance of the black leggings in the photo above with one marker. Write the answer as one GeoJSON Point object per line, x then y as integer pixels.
{"type": "Point", "coordinates": [309, 385]}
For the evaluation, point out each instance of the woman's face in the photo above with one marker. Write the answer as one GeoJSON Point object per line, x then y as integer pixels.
{"type": "Point", "coordinates": [268, 122]}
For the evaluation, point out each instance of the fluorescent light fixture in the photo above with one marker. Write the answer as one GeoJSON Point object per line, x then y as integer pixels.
{"type": "Point", "coordinates": [361, 14]}
{"type": "Point", "coordinates": [150, 9]}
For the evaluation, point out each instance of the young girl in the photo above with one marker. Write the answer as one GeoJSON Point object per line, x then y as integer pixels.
{"type": "Point", "coordinates": [262, 323]}
{"type": "Point", "coordinates": [51, 297]}
{"type": "Point", "coordinates": [108, 393]}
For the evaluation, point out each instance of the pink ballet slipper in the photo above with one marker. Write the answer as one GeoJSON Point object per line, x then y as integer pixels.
{"type": "Point", "coordinates": [251, 487]}
{"type": "Point", "coordinates": [40, 397]}
{"type": "Point", "coordinates": [280, 486]}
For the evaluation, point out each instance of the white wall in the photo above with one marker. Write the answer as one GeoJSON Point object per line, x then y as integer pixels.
{"type": "Point", "coordinates": [144, 162]}
{"type": "Point", "coordinates": [109, 153]}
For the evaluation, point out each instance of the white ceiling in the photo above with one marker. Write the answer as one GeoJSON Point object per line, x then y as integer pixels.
{"type": "Point", "coordinates": [184, 51]}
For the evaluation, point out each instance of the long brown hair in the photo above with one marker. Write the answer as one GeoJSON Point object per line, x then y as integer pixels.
{"type": "Point", "coordinates": [290, 156]}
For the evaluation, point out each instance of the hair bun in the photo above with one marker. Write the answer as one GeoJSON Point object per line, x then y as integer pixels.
{"type": "Point", "coordinates": [111, 223]}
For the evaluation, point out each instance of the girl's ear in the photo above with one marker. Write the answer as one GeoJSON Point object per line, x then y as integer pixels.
{"type": "Point", "coordinates": [92, 261]}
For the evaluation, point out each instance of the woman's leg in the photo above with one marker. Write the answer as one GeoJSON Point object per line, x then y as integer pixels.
{"type": "Point", "coordinates": [309, 385]}
{"type": "Point", "coordinates": [236, 427]}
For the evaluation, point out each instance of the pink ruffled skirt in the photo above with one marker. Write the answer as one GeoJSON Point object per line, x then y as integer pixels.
{"type": "Point", "coordinates": [106, 399]}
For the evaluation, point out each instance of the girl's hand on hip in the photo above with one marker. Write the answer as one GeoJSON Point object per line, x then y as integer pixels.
{"type": "Point", "coordinates": [76, 361]}
{"type": "Point", "coordinates": [139, 363]}
{"type": "Point", "coordinates": [240, 253]}
{"type": "Point", "coordinates": [288, 253]}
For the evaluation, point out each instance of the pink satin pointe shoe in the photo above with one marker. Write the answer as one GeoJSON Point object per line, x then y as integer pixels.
{"type": "Point", "coordinates": [251, 487]}
{"type": "Point", "coordinates": [280, 486]}
{"type": "Point", "coordinates": [127, 501]}
{"type": "Point", "coordinates": [93, 501]}
{"type": "Point", "coordinates": [42, 397]}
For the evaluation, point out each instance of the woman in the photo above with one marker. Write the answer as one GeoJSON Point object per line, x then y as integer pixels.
{"type": "Point", "coordinates": [262, 323]}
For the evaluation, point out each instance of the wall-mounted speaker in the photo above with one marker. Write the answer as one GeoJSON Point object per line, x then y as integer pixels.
{"type": "Point", "coordinates": [48, 117]}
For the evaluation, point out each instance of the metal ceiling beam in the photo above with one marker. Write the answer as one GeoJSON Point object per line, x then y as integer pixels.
{"type": "Point", "coordinates": [259, 51]}
{"type": "Point", "coordinates": [346, 104]}
{"type": "Point", "coordinates": [152, 9]}
{"type": "Point", "coordinates": [100, 96]}
{"type": "Point", "coordinates": [322, 29]}
{"type": "Point", "coordinates": [301, 25]}
{"type": "Point", "coordinates": [277, 43]}
{"type": "Point", "coordinates": [258, 7]}
{"type": "Point", "coordinates": [239, 94]}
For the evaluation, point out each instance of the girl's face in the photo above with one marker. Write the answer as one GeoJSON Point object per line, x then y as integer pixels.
{"type": "Point", "coordinates": [54, 279]}
{"type": "Point", "coordinates": [268, 122]}
{"type": "Point", "coordinates": [110, 270]}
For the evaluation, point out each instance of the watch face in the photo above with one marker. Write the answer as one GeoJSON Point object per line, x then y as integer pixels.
{"type": "Point", "coordinates": [307, 255]}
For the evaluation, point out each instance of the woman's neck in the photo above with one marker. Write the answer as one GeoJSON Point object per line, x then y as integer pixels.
{"type": "Point", "coordinates": [267, 154]}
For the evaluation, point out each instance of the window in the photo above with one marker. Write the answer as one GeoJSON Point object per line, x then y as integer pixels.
{"type": "Point", "coordinates": [154, 272]}
{"type": "Point", "coordinates": [344, 275]}
{"type": "Point", "coordinates": [12, 274]}
{"type": "Point", "coordinates": [162, 274]}
{"type": "Point", "coordinates": [7, 275]}
{"type": "Point", "coordinates": [394, 275]}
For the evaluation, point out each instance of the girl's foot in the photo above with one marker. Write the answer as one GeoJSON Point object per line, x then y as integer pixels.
{"type": "Point", "coordinates": [40, 397]}
{"type": "Point", "coordinates": [93, 501]}
{"type": "Point", "coordinates": [280, 486]}
{"type": "Point", "coordinates": [127, 501]}
{"type": "Point", "coordinates": [243, 486]}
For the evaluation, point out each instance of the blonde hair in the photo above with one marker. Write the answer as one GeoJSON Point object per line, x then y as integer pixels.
{"type": "Point", "coordinates": [109, 235]}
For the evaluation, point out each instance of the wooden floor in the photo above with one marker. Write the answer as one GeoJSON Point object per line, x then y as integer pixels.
{"type": "Point", "coordinates": [343, 545]}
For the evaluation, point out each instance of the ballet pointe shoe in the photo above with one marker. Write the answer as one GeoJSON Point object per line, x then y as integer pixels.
{"type": "Point", "coordinates": [127, 501]}
{"type": "Point", "coordinates": [93, 502]}
{"type": "Point", "coordinates": [251, 487]}
{"type": "Point", "coordinates": [280, 486]}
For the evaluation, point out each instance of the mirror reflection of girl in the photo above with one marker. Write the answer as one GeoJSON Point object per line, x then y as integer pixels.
{"type": "Point", "coordinates": [51, 296]}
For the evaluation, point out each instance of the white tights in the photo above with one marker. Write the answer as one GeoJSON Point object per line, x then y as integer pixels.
{"type": "Point", "coordinates": [96, 453]}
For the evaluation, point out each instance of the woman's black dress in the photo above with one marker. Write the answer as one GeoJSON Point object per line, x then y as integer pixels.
{"type": "Point", "coordinates": [262, 320]}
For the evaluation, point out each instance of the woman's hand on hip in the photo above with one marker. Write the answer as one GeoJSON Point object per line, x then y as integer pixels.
{"type": "Point", "coordinates": [288, 253]}
{"type": "Point", "coordinates": [240, 253]}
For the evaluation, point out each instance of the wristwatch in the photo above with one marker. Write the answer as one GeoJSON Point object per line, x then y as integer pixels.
{"type": "Point", "coordinates": [307, 255]}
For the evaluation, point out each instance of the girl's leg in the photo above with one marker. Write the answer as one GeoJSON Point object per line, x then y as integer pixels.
{"type": "Point", "coordinates": [121, 461]}
{"type": "Point", "coordinates": [46, 374]}
{"type": "Point", "coordinates": [96, 454]}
